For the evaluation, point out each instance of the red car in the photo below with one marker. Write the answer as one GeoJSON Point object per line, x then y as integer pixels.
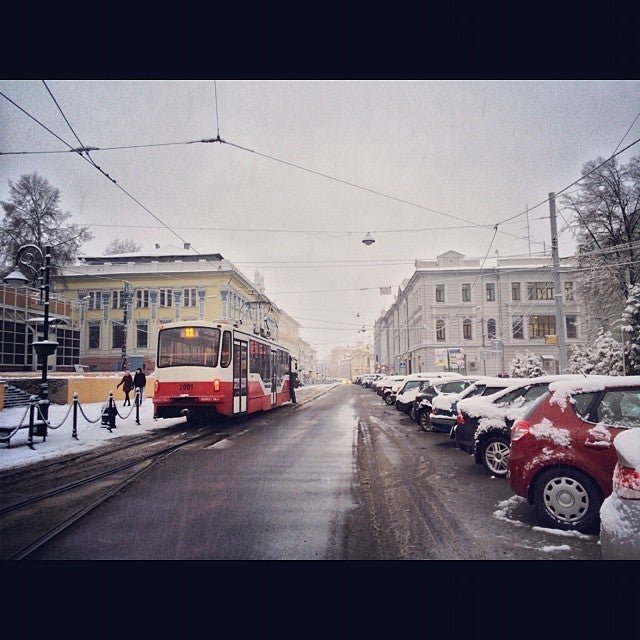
{"type": "Point", "coordinates": [562, 455]}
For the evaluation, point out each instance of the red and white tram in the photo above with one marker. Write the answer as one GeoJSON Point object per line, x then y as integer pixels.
{"type": "Point", "coordinates": [205, 369]}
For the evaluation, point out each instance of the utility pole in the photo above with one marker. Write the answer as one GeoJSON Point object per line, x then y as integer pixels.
{"type": "Point", "coordinates": [125, 322]}
{"type": "Point", "coordinates": [560, 334]}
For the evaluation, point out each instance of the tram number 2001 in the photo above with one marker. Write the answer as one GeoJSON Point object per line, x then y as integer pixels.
{"type": "Point", "coordinates": [187, 386]}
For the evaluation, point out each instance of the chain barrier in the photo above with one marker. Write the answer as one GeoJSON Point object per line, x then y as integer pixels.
{"type": "Point", "coordinates": [108, 413]}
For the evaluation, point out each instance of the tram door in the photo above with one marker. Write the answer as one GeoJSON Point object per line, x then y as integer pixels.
{"type": "Point", "coordinates": [240, 373]}
{"type": "Point", "coordinates": [274, 376]}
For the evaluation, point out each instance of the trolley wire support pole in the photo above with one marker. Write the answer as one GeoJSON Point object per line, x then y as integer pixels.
{"type": "Point", "coordinates": [26, 256]}
{"type": "Point", "coordinates": [560, 333]}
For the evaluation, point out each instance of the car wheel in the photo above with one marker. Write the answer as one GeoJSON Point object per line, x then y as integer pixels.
{"type": "Point", "coordinates": [412, 413]}
{"type": "Point", "coordinates": [567, 499]}
{"type": "Point", "coordinates": [424, 420]}
{"type": "Point", "coordinates": [494, 454]}
{"type": "Point", "coordinates": [388, 400]}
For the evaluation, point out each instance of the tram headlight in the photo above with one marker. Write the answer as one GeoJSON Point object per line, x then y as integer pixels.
{"type": "Point", "coordinates": [216, 385]}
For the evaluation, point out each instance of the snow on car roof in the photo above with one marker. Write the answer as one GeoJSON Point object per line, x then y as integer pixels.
{"type": "Point", "coordinates": [563, 389]}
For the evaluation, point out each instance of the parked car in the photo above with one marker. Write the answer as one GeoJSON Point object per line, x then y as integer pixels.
{"type": "Point", "coordinates": [483, 424]}
{"type": "Point", "coordinates": [417, 382]}
{"type": "Point", "coordinates": [386, 384]}
{"type": "Point", "coordinates": [423, 404]}
{"type": "Point", "coordinates": [444, 406]}
{"type": "Point", "coordinates": [562, 454]}
{"type": "Point", "coordinates": [620, 512]}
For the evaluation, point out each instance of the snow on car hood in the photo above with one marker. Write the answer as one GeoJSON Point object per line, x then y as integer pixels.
{"type": "Point", "coordinates": [409, 395]}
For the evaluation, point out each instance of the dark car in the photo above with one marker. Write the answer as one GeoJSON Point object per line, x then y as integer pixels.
{"type": "Point", "coordinates": [444, 407]}
{"type": "Point", "coordinates": [562, 448]}
{"type": "Point", "coordinates": [483, 425]}
{"type": "Point", "coordinates": [422, 405]}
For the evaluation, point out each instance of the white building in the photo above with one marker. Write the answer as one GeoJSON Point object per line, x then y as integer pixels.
{"type": "Point", "coordinates": [454, 314]}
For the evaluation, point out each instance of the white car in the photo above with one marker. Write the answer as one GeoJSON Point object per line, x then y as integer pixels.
{"type": "Point", "coordinates": [620, 512]}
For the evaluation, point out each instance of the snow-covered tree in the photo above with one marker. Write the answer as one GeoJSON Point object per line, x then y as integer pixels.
{"type": "Point", "coordinates": [526, 365]}
{"type": "Point", "coordinates": [604, 357]}
{"type": "Point", "coordinates": [32, 215]}
{"type": "Point", "coordinates": [631, 330]}
{"type": "Point", "coordinates": [604, 212]}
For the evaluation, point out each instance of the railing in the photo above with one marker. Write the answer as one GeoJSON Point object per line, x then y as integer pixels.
{"type": "Point", "coordinates": [38, 425]}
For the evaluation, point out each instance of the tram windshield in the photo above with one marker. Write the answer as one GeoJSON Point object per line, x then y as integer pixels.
{"type": "Point", "coordinates": [188, 346]}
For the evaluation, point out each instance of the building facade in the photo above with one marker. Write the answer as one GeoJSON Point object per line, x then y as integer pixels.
{"type": "Point", "coordinates": [123, 300]}
{"type": "Point", "coordinates": [452, 314]}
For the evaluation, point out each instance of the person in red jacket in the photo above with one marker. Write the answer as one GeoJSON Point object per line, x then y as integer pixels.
{"type": "Point", "coordinates": [127, 385]}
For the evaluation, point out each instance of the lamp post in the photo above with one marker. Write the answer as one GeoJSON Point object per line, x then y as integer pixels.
{"type": "Point", "coordinates": [25, 257]}
{"type": "Point", "coordinates": [622, 330]}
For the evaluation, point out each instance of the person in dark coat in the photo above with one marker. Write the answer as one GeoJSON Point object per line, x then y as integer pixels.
{"type": "Point", "coordinates": [139, 382]}
{"type": "Point", "coordinates": [127, 385]}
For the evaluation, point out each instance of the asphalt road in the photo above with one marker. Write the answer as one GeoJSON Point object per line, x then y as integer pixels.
{"type": "Point", "coordinates": [338, 477]}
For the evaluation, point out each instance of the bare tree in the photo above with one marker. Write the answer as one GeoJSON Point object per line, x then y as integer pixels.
{"type": "Point", "coordinates": [33, 216]}
{"type": "Point", "coordinates": [126, 245]}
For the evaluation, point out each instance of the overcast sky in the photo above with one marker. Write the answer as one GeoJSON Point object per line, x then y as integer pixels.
{"type": "Point", "coordinates": [477, 151]}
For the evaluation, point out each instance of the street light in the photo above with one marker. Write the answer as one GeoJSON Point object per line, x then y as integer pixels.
{"type": "Point", "coordinates": [622, 329]}
{"type": "Point", "coordinates": [25, 257]}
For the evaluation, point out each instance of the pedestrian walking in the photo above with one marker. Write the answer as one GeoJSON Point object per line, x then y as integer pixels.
{"type": "Point", "coordinates": [127, 385]}
{"type": "Point", "coordinates": [139, 382]}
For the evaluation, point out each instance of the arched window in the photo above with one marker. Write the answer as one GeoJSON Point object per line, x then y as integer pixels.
{"type": "Point", "coordinates": [491, 328]}
{"type": "Point", "coordinates": [440, 331]}
{"type": "Point", "coordinates": [466, 329]}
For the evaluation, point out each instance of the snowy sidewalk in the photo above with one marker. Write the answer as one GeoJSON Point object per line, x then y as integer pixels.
{"type": "Point", "coordinates": [91, 434]}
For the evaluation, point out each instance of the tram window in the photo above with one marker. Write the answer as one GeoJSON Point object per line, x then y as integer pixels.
{"type": "Point", "coordinates": [225, 358]}
{"type": "Point", "coordinates": [191, 346]}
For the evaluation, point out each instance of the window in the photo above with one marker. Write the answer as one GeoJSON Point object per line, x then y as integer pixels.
{"type": "Point", "coordinates": [572, 327]}
{"type": "Point", "coordinates": [539, 291]}
{"type": "Point", "coordinates": [188, 346]}
{"type": "Point", "coordinates": [440, 331]}
{"type": "Point", "coordinates": [517, 328]}
{"type": "Point", "coordinates": [466, 329]}
{"type": "Point", "coordinates": [142, 333]}
{"type": "Point", "coordinates": [491, 291]}
{"type": "Point", "coordinates": [94, 335]}
{"type": "Point", "coordinates": [142, 298]}
{"type": "Point", "coordinates": [166, 297]}
{"type": "Point", "coordinates": [190, 298]}
{"type": "Point", "coordinates": [439, 293]}
{"type": "Point", "coordinates": [541, 326]}
{"type": "Point", "coordinates": [117, 299]}
{"type": "Point", "coordinates": [95, 299]}
{"type": "Point", "coordinates": [568, 291]}
{"type": "Point", "coordinates": [515, 291]}
{"type": "Point", "coordinates": [491, 328]}
{"type": "Point", "coordinates": [466, 293]}
{"type": "Point", "coordinates": [225, 358]}
{"type": "Point", "coordinates": [117, 335]}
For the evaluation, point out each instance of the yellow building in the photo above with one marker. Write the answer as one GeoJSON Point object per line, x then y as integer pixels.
{"type": "Point", "coordinates": [124, 298]}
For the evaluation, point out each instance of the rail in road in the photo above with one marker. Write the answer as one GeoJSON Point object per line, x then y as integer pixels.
{"type": "Point", "coordinates": [81, 494]}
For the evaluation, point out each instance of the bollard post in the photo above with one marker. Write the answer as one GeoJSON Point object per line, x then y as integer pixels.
{"type": "Point", "coordinates": [74, 433]}
{"type": "Point", "coordinates": [32, 410]}
{"type": "Point", "coordinates": [137, 405]}
{"type": "Point", "coordinates": [112, 412]}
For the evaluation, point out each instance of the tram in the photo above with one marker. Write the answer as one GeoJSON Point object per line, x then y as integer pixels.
{"type": "Point", "coordinates": [204, 369]}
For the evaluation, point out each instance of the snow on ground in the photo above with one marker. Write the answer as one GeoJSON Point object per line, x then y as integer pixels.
{"type": "Point", "coordinates": [91, 433]}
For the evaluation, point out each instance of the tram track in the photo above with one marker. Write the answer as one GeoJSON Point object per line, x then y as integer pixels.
{"type": "Point", "coordinates": [31, 518]}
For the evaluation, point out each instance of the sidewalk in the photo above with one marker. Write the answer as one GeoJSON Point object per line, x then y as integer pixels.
{"type": "Point", "coordinates": [91, 433]}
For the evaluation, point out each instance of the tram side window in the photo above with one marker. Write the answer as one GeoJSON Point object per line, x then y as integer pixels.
{"type": "Point", "coordinates": [260, 361]}
{"type": "Point", "coordinates": [225, 358]}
